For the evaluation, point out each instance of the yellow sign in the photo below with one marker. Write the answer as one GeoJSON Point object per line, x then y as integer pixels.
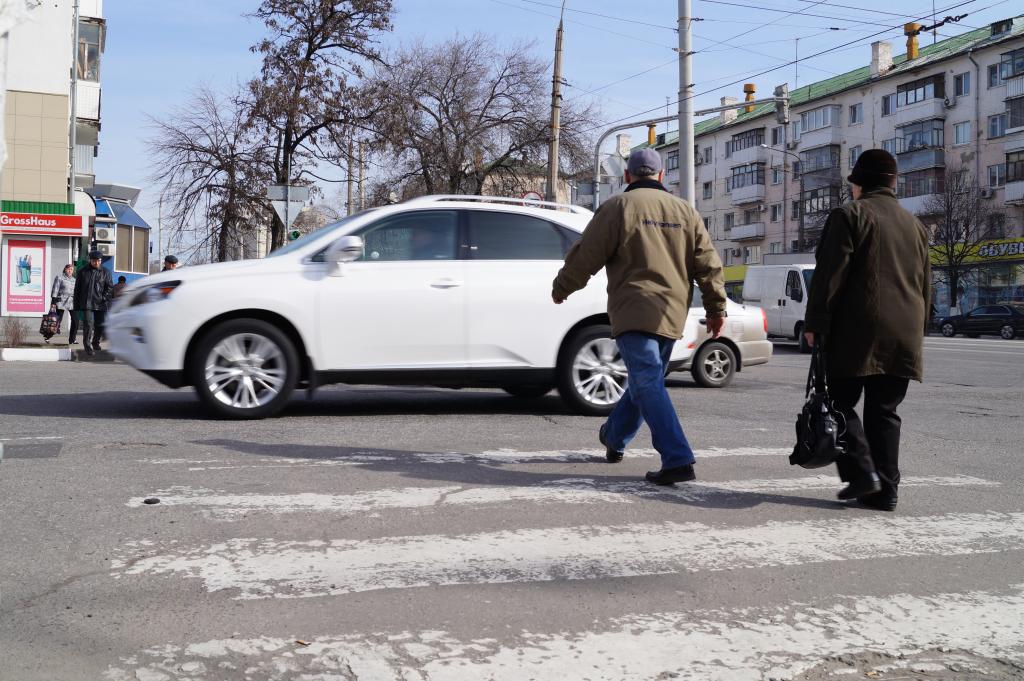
{"type": "Point", "coordinates": [994, 250]}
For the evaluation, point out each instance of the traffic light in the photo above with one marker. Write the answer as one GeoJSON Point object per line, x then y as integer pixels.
{"type": "Point", "coordinates": [782, 104]}
{"type": "Point", "coordinates": [294, 234]}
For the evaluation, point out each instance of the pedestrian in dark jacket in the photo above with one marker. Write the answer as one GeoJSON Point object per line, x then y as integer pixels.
{"type": "Point", "coordinates": [653, 245]}
{"type": "Point", "coordinates": [93, 289]}
{"type": "Point", "coordinates": [869, 300]}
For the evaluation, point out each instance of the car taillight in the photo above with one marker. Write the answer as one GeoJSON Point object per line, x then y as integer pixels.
{"type": "Point", "coordinates": [764, 319]}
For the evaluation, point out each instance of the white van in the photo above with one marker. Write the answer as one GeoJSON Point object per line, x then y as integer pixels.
{"type": "Point", "coordinates": [781, 291]}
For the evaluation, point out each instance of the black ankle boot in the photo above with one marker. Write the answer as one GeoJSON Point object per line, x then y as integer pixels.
{"type": "Point", "coordinates": [869, 484]}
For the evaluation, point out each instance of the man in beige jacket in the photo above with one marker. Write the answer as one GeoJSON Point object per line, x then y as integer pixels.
{"type": "Point", "coordinates": [653, 245]}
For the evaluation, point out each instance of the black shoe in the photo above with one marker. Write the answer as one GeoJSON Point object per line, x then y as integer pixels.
{"type": "Point", "coordinates": [89, 351]}
{"type": "Point", "coordinates": [670, 476]}
{"type": "Point", "coordinates": [610, 455]}
{"type": "Point", "coordinates": [97, 348]}
{"type": "Point", "coordinates": [861, 488]}
{"type": "Point", "coordinates": [880, 501]}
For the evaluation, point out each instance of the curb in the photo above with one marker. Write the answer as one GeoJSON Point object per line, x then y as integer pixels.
{"type": "Point", "coordinates": [36, 354]}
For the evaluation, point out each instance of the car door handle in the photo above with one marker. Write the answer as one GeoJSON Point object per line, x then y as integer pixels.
{"type": "Point", "coordinates": [445, 283]}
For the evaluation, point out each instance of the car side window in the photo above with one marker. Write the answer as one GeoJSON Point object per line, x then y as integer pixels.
{"type": "Point", "coordinates": [793, 289]}
{"type": "Point", "coordinates": [420, 235]}
{"type": "Point", "coordinates": [510, 236]}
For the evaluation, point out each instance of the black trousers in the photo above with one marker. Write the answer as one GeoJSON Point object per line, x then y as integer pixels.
{"type": "Point", "coordinates": [73, 320]}
{"type": "Point", "coordinates": [92, 328]}
{"type": "Point", "coordinates": [873, 444]}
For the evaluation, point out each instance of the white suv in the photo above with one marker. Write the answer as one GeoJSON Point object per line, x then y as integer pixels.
{"type": "Point", "coordinates": [448, 291]}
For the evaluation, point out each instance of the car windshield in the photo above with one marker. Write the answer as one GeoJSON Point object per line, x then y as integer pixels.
{"type": "Point", "coordinates": [314, 235]}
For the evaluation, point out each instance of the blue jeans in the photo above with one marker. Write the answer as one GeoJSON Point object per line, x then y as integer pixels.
{"type": "Point", "coordinates": [646, 399]}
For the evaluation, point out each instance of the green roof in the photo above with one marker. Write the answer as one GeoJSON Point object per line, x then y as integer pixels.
{"type": "Point", "coordinates": [944, 49]}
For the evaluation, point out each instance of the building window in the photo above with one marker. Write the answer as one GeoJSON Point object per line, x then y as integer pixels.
{"type": "Point", "coordinates": [820, 158]}
{"type": "Point", "coordinates": [778, 135]}
{"type": "Point", "coordinates": [1015, 113]}
{"type": "Point", "coordinates": [997, 175]}
{"type": "Point", "coordinates": [707, 225]}
{"type": "Point", "coordinates": [709, 154]}
{"type": "Point", "coordinates": [747, 175]}
{"type": "Point", "coordinates": [775, 247]}
{"type": "Point", "coordinates": [730, 220]}
{"type": "Point", "coordinates": [962, 133]}
{"type": "Point", "coordinates": [854, 153]}
{"type": "Point", "coordinates": [752, 255]}
{"type": "Point", "coordinates": [962, 85]}
{"type": "Point", "coordinates": [89, 54]}
{"type": "Point", "coordinates": [857, 114]}
{"type": "Point", "coordinates": [776, 212]}
{"type": "Point", "coordinates": [932, 87]}
{"type": "Point", "coordinates": [822, 199]}
{"type": "Point", "coordinates": [921, 182]}
{"type": "Point", "coordinates": [815, 119]}
{"type": "Point", "coordinates": [708, 190]}
{"type": "Point", "coordinates": [751, 216]}
{"type": "Point", "coordinates": [1011, 64]}
{"type": "Point", "coordinates": [996, 226]}
{"type": "Point", "coordinates": [797, 169]}
{"type": "Point", "coordinates": [745, 140]}
{"type": "Point", "coordinates": [993, 76]}
{"type": "Point", "coordinates": [776, 175]}
{"type": "Point", "coordinates": [888, 105]}
{"type": "Point", "coordinates": [921, 136]}
{"type": "Point", "coordinates": [672, 162]}
{"type": "Point", "coordinates": [997, 125]}
{"type": "Point", "coordinates": [795, 211]}
{"type": "Point", "coordinates": [131, 253]}
{"type": "Point", "coordinates": [889, 145]}
{"type": "Point", "coordinates": [1015, 166]}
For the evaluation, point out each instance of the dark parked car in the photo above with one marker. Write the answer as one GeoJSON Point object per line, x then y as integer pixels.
{"type": "Point", "coordinates": [992, 320]}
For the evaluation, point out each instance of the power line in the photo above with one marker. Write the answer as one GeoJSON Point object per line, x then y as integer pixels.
{"type": "Point", "coordinates": [786, 11]}
{"type": "Point", "coordinates": [580, 23]}
{"type": "Point", "coordinates": [603, 16]}
{"type": "Point", "coordinates": [875, 11]}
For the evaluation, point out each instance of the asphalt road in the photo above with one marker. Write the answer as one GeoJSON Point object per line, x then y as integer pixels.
{"type": "Point", "coordinates": [414, 534]}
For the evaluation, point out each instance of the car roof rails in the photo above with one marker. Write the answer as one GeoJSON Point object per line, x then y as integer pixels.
{"type": "Point", "coordinates": [580, 210]}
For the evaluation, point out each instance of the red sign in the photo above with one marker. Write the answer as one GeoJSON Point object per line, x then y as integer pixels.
{"type": "Point", "coordinates": [54, 225]}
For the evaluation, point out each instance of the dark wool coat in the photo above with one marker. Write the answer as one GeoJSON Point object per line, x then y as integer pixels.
{"type": "Point", "coordinates": [871, 288]}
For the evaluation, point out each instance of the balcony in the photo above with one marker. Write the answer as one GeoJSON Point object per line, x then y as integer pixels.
{"type": "Point", "coordinates": [830, 134]}
{"type": "Point", "coordinates": [921, 159]}
{"type": "Point", "coordinates": [920, 111]}
{"type": "Point", "coordinates": [1015, 87]}
{"type": "Point", "coordinates": [88, 104]}
{"type": "Point", "coordinates": [1014, 193]}
{"type": "Point", "coordinates": [1014, 142]}
{"type": "Point", "coordinates": [754, 231]}
{"type": "Point", "coordinates": [748, 193]}
{"type": "Point", "coordinates": [754, 154]}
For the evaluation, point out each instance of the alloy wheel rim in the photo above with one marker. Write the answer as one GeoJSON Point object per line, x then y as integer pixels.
{"type": "Point", "coordinates": [599, 373]}
{"type": "Point", "coordinates": [717, 365]}
{"type": "Point", "coordinates": [1007, 332]}
{"type": "Point", "coordinates": [947, 330]}
{"type": "Point", "coordinates": [245, 370]}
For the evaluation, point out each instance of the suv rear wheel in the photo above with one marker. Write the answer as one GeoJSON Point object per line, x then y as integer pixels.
{"type": "Point", "coordinates": [244, 369]}
{"type": "Point", "coordinates": [591, 372]}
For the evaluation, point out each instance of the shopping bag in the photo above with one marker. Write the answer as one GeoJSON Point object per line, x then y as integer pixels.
{"type": "Point", "coordinates": [48, 326]}
{"type": "Point", "coordinates": [820, 427]}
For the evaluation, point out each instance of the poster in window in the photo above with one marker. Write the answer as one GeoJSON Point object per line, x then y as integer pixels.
{"type": "Point", "coordinates": [24, 277]}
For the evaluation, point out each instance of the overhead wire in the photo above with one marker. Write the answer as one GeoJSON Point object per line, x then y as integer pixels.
{"type": "Point", "coordinates": [581, 23]}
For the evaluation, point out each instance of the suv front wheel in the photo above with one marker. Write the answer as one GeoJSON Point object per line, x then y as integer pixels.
{"type": "Point", "coordinates": [591, 372]}
{"type": "Point", "coordinates": [244, 369]}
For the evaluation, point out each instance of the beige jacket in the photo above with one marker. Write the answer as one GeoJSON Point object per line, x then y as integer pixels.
{"type": "Point", "coordinates": [653, 245]}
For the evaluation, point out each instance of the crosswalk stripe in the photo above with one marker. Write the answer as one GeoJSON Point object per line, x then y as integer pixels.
{"type": "Point", "coordinates": [747, 644]}
{"type": "Point", "coordinates": [269, 568]}
{"type": "Point", "coordinates": [231, 505]}
{"type": "Point", "coordinates": [505, 456]}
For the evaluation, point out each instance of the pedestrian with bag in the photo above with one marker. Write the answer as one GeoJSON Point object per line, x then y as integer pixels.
{"type": "Point", "coordinates": [62, 299]}
{"type": "Point", "coordinates": [93, 289]}
{"type": "Point", "coordinates": [653, 245]}
{"type": "Point", "coordinates": [869, 298]}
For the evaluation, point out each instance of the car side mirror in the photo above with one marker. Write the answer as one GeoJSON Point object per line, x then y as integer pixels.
{"type": "Point", "coordinates": [346, 249]}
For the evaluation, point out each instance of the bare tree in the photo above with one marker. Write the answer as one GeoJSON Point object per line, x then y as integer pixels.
{"type": "Point", "coordinates": [465, 114]}
{"type": "Point", "coordinates": [306, 99]}
{"type": "Point", "coordinates": [212, 172]}
{"type": "Point", "coordinates": [958, 218]}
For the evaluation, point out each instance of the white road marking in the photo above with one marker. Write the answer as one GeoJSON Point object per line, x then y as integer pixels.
{"type": "Point", "coordinates": [502, 456]}
{"type": "Point", "coordinates": [17, 439]}
{"type": "Point", "coordinates": [231, 505]}
{"type": "Point", "coordinates": [748, 644]}
{"type": "Point", "coordinates": [269, 568]}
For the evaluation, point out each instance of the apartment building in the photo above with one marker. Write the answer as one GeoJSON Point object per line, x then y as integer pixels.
{"type": "Point", "coordinates": [764, 188]}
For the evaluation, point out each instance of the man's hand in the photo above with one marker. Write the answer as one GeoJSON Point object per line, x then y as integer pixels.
{"type": "Point", "coordinates": [809, 337]}
{"type": "Point", "coordinates": [715, 326]}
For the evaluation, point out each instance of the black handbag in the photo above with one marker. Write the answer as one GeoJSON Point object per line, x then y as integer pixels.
{"type": "Point", "coordinates": [820, 426]}
{"type": "Point", "coordinates": [48, 325]}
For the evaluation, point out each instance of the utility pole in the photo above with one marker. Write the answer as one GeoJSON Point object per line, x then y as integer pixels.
{"type": "Point", "coordinates": [362, 177]}
{"type": "Point", "coordinates": [348, 204]}
{"type": "Point", "coordinates": [686, 163]}
{"type": "Point", "coordinates": [556, 111]}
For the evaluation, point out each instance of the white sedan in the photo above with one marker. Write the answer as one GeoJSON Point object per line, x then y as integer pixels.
{"type": "Point", "coordinates": [445, 291]}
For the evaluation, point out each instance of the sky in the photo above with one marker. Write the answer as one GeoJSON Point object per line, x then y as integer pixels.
{"type": "Point", "coordinates": [620, 54]}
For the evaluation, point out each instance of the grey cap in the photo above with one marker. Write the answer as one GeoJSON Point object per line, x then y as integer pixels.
{"type": "Point", "coordinates": [644, 162]}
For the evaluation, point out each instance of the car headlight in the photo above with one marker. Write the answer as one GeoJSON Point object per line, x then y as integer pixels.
{"type": "Point", "coordinates": [155, 293]}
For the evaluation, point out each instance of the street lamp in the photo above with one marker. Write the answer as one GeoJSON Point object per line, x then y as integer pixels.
{"type": "Point", "coordinates": [800, 225]}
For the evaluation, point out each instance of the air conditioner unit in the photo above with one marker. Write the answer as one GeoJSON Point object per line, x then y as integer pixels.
{"type": "Point", "coordinates": [987, 192]}
{"type": "Point", "coordinates": [107, 249]}
{"type": "Point", "coordinates": [106, 233]}
{"type": "Point", "coordinates": [736, 252]}
{"type": "Point", "coordinates": [949, 103]}
{"type": "Point", "coordinates": [761, 207]}
{"type": "Point", "coordinates": [793, 144]}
